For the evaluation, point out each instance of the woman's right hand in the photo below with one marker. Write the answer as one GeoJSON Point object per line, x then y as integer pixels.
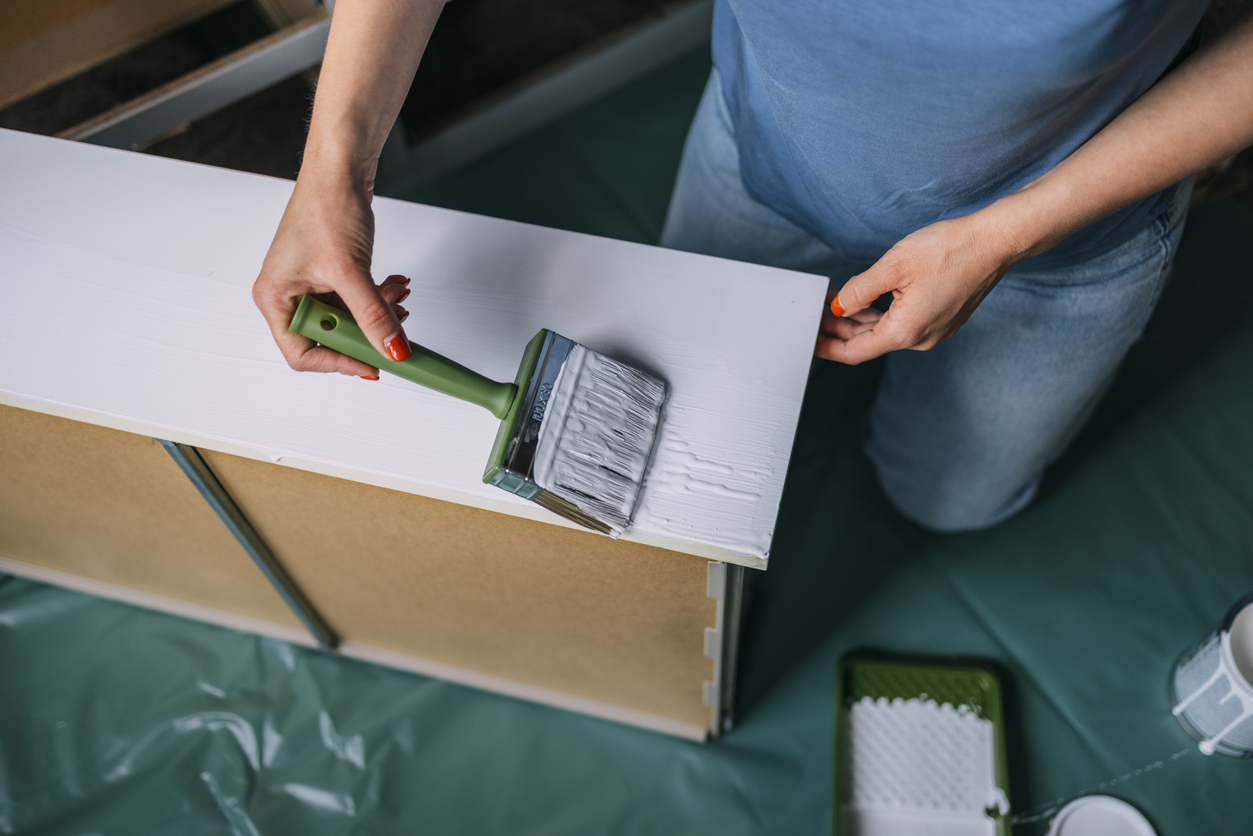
{"type": "Point", "coordinates": [325, 241]}
{"type": "Point", "coordinates": [323, 246]}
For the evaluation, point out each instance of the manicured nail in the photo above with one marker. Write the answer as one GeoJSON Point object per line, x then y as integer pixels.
{"type": "Point", "coordinates": [406, 278]}
{"type": "Point", "coordinates": [404, 316]}
{"type": "Point", "coordinates": [397, 348]}
{"type": "Point", "coordinates": [836, 308]}
{"type": "Point", "coordinates": [403, 296]}
{"type": "Point", "coordinates": [369, 377]}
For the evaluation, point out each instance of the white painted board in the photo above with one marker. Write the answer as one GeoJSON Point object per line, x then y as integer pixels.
{"type": "Point", "coordinates": [124, 287]}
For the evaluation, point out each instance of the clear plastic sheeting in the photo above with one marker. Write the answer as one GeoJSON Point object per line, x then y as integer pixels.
{"type": "Point", "coordinates": [121, 721]}
{"type": "Point", "coordinates": [115, 720]}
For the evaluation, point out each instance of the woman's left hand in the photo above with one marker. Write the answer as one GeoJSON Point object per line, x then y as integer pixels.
{"type": "Point", "coordinates": [1198, 114]}
{"type": "Point", "coordinates": [937, 277]}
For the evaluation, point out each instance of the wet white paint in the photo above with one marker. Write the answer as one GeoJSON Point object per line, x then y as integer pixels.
{"type": "Point", "coordinates": [125, 285]}
{"type": "Point", "coordinates": [597, 436]}
{"type": "Point", "coordinates": [914, 766]}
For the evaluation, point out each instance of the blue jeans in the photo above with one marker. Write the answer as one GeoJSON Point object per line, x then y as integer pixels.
{"type": "Point", "coordinates": [961, 434]}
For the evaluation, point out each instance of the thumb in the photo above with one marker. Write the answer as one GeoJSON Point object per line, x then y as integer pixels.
{"type": "Point", "coordinates": [862, 289]}
{"type": "Point", "coordinates": [377, 319]}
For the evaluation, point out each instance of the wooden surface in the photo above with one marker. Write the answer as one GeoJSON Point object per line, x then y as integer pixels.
{"type": "Point", "coordinates": [113, 506]}
{"type": "Point", "coordinates": [566, 610]}
{"type": "Point", "coordinates": [43, 42]}
{"type": "Point", "coordinates": [557, 609]}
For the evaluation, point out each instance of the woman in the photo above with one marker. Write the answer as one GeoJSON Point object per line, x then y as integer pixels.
{"type": "Point", "coordinates": [1020, 174]}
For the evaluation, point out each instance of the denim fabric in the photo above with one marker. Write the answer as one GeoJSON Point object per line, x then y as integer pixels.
{"type": "Point", "coordinates": [961, 434]}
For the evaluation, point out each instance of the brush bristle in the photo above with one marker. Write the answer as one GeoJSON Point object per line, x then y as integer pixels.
{"type": "Point", "coordinates": [597, 437]}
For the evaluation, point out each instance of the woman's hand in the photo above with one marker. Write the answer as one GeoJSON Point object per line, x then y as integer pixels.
{"type": "Point", "coordinates": [1198, 114]}
{"type": "Point", "coordinates": [323, 246]}
{"type": "Point", "coordinates": [937, 277]}
{"type": "Point", "coordinates": [324, 242]}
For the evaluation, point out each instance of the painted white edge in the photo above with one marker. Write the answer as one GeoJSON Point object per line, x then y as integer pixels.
{"type": "Point", "coordinates": [354, 650]}
{"type": "Point", "coordinates": [528, 511]}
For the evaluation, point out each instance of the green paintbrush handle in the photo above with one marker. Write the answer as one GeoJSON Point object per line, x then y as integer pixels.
{"type": "Point", "coordinates": [337, 330]}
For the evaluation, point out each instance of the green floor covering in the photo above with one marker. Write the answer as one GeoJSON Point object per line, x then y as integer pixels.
{"type": "Point", "coordinates": [114, 720]}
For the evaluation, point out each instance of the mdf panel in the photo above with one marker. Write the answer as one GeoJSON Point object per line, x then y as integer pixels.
{"type": "Point", "coordinates": [618, 622]}
{"type": "Point", "coordinates": [112, 506]}
{"type": "Point", "coordinates": [43, 42]}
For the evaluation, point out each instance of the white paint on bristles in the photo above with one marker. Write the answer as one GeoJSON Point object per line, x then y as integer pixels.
{"type": "Point", "coordinates": [597, 436]}
{"type": "Point", "coordinates": [125, 283]}
{"type": "Point", "coordinates": [917, 768]}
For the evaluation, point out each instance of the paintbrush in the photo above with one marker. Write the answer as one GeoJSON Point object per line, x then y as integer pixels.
{"type": "Point", "coordinates": [577, 428]}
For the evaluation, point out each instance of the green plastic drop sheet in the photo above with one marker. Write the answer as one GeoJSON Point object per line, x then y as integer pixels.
{"type": "Point", "coordinates": [115, 720]}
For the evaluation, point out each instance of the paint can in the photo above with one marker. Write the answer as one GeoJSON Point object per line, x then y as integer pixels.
{"type": "Point", "coordinates": [1212, 686]}
{"type": "Point", "coordinates": [1099, 815]}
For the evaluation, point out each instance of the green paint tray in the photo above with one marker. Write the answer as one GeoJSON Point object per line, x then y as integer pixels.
{"type": "Point", "coordinates": [919, 748]}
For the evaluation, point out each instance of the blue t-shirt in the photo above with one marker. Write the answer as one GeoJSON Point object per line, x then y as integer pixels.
{"type": "Point", "coordinates": [864, 120]}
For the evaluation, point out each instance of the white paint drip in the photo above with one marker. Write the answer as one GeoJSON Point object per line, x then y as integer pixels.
{"type": "Point", "coordinates": [685, 488]}
{"type": "Point", "coordinates": [1218, 705]}
{"type": "Point", "coordinates": [917, 767]}
{"type": "Point", "coordinates": [597, 436]}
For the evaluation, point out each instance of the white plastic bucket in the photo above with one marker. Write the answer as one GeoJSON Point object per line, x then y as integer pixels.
{"type": "Point", "coordinates": [1212, 686]}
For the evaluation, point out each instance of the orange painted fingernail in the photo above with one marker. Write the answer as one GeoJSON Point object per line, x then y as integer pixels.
{"type": "Point", "coordinates": [397, 348]}
{"type": "Point", "coordinates": [836, 308]}
{"type": "Point", "coordinates": [369, 377]}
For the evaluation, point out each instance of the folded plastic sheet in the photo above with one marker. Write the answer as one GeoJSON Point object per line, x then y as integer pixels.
{"type": "Point", "coordinates": [118, 720]}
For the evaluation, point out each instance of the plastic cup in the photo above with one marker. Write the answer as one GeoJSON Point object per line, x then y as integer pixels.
{"type": "Point", "coordinates": [1212, 686]}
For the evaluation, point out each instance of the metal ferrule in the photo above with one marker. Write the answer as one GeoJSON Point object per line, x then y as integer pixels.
{"type": "Point", "coordinates": [520, 457]}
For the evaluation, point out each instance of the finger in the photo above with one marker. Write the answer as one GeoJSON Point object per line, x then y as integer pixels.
{"type": "Point", "coordinates": [832, 305]}
{"type": "Point", "coordinates": [835, 309]}
{"type": "Point", "coordinates": [862, 289]}
{"type": "Point", "coordinates": [864, 346]}
{"type": "Point", "coordinates": [843, 328]}
{"type": "Point", "coordinates": [869, 317]}
{"type": "Point", "coordinates": [308, 356]}
{"type": "Point", "coordinates": [375, 316]}
{"type": "Point", "coordinates": [393, 293]}
{"type": "Point", "coordinates": [322, 359]}
{"type": "Point", "coordinates": [394, 288]}
{"type": "Point", "coordinates": [299, 351]}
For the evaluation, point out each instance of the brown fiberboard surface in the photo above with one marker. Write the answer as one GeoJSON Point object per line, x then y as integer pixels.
{"type": "Point", "coordinates": [48, 41]}
{"type": "Point", "coordinates": [25, 19]}
{"type": "Point", "coordinates": [575, 612]}
{"type": "Point", "coordinates": [113, 506]}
